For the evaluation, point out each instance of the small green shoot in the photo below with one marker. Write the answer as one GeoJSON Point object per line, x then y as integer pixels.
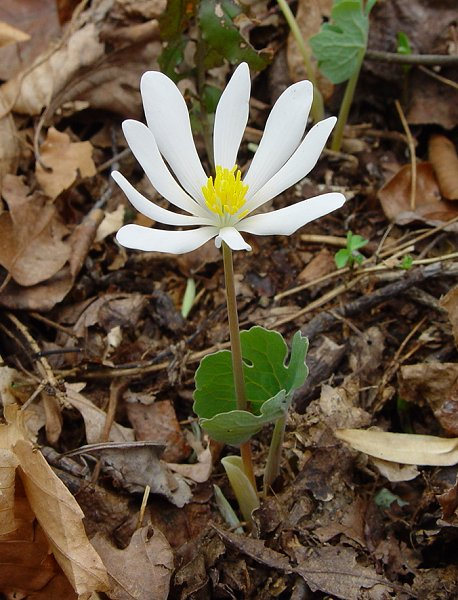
{"type": "Point", "coordinates": [188, 298]}
{"type": "Point", "coordinates": [403, 44]}
{"type": "Point", "coordinates": [349, 256]}
{"type": "Point", "coordinates": [340, 47]}
{"type": "Point", "coordinates": [406, 262]}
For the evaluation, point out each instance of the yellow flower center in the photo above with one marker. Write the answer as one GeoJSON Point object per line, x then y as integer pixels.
{"type": "Point", "coordinates": [225, 193]}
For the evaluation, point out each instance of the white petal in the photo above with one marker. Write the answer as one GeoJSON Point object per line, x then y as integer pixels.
{"type": "Point", "coordinates": [168, 119]}
{"type": "Point", "coordinates": [231, 118]}
{"type": "Point", "coordinates": [158, 240]}
{"type": "Point", "coordinates": [283, 132]}
{"type": "Point", "coordinates": [153, 211]}
{"type": "Point", "coordinates": [143, 145]}
{"type": "Point", "coordinates": [297, 167]}
{"type": "Point", "coordinates": [233, 239]}
{"type": "Point", "coordinates": [286, 221]}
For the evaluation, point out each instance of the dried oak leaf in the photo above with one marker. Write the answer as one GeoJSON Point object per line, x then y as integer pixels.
{"type": "Point", "coordinates": [32, 247]}
{"type": "Point", "coordinates": [142, 571]}
{"type": "Point", "coordinates": [66, 159]}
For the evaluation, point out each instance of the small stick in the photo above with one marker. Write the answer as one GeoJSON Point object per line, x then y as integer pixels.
{"type": "Point", "coordinates": [413, 158]}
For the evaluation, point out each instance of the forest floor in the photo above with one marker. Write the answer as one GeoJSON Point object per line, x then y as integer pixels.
{"type": "Point", "coordinates": [97, 360]}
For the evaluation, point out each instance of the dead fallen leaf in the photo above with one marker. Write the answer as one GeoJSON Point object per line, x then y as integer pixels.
{"type": "Point", "coordinates": [395, 198]}
{"type": "Point", "coordinates": [198, 472]}
{"type": "Point", "coordinates": [94, 417]}
{"type": "Point", "coordinates": [39, 21]}
{"type": "Point", "coordinates": [442, 155]}
{"type": "Point", "coordinates": [111, 223]}
{"type": "Point", "coordinates": [434, 384]}
{"type": "Point", "coordinates": [321, 264]}
{"type": "Point", "coordinates": [450, 303]}
{"type": "Point", "coordinates": [9, 148]}
{"type": "Point", "coordinates": [405, 448]}
{"type": "Point", "coordinates": [67, 161]}
{"type": "Point", "coordinates": [54, 507]}
{"type": "Point", "coordinates": [135, 465]}
{"type": "Point", "coordinates": [339, 406]}
{"type": "Point", "coordinates": [32, 247]}
{"type": "Point", "coordinates": [395, 472]}
{"type": "Point", "coordinates": [10, 34]}
{"type": "Point", "coordinates": [157, 422]}
{"type": "Point", "coordinates": [142, 571]}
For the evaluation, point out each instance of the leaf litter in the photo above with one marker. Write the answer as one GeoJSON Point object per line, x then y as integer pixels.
{"type": "Point", "coordinates": [97, 362]}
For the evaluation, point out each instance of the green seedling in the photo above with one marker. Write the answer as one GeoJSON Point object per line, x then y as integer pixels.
{"type": "Point", "coordinates": [349, 255]}
{"type": "Point", "coordinates": [188, 298]}
{"type": "Point", "coordinates": [406, 262]}
{"type": "Point", "coordinates": [340, 47]}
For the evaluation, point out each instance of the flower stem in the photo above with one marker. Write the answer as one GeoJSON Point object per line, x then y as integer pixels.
{"type": "Point", "coordinates": [237, 364]}
{"type": "Point", "coordinates": [317, 105]}
{"type": "Point", "coordinates": [346, 105]}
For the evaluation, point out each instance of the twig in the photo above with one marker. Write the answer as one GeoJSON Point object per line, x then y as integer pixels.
{"type": "Point", "coordinates": [441, 78]}
{"type": "Point", "coordinates": [413, 158]}
{"type": "Point", "coordinates": [412, 59]}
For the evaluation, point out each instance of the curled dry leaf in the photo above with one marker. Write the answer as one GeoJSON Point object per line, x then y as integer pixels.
{"type": "Point", "coordinates": [66, 160]}
{"type": "Point", "coordinates": [54, 507]}
{"type": "Point", "coordinates": [9, 148]}
{"type": "Point", "coordinates": [395, 199]}
{"type": "Point", "coordinates": [142, 571]}
{"type": "Point", "coordinates": [443, 157]}
{"type": "Point", "coordinates": [402, 448]}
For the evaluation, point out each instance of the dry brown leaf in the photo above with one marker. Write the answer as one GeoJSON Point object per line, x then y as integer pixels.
{"type": "Point", "coordinates": [38, 19]}
{"type": "Point", "coordinates": [10, 34]}
{"type": "Point", "coordinates": [67, 161]}
{"type": "Point", "coordinates": [32, 91]}
{"type": "Point", "coordinates": [404, 448]}
{"type": "Point", "coordinates": [111, 223]}
{"type": "Point", "coordinates": [158, 422]}
{"type": "Point", "coordinates": [9, 148]}
{"type": "Point", "coordinates": [51, 503]}
{"type": "Point", "coordinates": [450, 303]}
{"type": "Point", "coordinates": [142, 571]}
{"type": "Point", "coordinates": [94, 418]}
{"type": "Point", "coordinates": [435, 384]}
{"type": "Point", "coordinates": [62, 519]}
{"type": "Point", "coordinates": [31, 235]}
{"type": "Point", "coordinates": [395, 198]}
{"type": "Point", "coordinates": [442, 155]}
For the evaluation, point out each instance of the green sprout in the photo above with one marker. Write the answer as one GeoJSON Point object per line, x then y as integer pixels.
{"type": "Point", "coordinates": [349, 255]}
{"type": "Point", "coordinates": [340, 47]}
{"type": "Point", "coordinates": [406, 262]}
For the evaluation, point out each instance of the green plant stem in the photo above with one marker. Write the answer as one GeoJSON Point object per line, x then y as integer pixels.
{"type": "Point", "coordinates": [236, 347]}
{"type": "Point", "coordinates": [272, 469]}
{"type": "Point", "coordinates": [346, 105]}
{"type": "Point", "coordinates": [317, 105]}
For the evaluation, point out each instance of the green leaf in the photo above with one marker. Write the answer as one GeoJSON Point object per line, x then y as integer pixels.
{"type": "Point", "coordinates": [406, 262]}
{"type": "Point", "coordinates": [223, 38]}
{"type": "Point", "coordinates": [341, 258]}
{"type": "Point", "coordinates": [403, 45]}
{"type": "Point", "coordinates": [340, 44]}
{"type": "Point", "coordinates": [238, 426]}
{"type": "Point", "coordinates": [264, 354]}
{"type": "Point", "coordinates": [355, 242]}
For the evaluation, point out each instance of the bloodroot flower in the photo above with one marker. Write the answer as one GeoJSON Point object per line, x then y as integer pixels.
{"type": "Point", "coordinates": [223, 205]}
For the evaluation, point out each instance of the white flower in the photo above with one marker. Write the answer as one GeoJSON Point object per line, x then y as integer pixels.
{"type": "Point", "coordinates": [222, 206]}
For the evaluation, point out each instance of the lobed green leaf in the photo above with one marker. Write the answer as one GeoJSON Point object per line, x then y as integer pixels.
{"type": "Point", "coordinates": [339, 44]}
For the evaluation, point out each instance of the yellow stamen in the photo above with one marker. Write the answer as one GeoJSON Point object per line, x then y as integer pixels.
{"type": "Point", "coordinates": [225, 193]}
